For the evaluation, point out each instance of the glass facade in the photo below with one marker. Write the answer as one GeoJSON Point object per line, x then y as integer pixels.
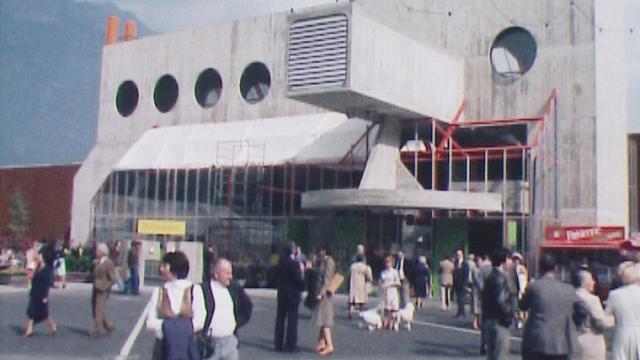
{"type": "Point", "coordinates": [246, 213]}
{"type": "Point", "coordinates": [239, 212]}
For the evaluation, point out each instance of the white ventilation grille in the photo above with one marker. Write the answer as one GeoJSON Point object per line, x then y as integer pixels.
{"type": "Point", "coordinates": [318, 52]}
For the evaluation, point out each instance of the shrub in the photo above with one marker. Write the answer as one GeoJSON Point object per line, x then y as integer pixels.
{"type": "Point", "coordinates": [78, 263]}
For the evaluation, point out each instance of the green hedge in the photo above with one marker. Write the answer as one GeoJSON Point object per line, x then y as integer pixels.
{"type": "Point", "coordinates": [75, 263]}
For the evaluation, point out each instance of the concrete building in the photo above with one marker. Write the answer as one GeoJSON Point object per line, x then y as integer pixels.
{"type": "Point", "coordinates": [424, 125]}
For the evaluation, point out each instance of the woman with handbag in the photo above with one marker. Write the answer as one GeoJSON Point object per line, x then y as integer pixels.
{"type": "Point", "coordinates": [179, 311]}
{"type": "Point", "coordinates": [323, 313]}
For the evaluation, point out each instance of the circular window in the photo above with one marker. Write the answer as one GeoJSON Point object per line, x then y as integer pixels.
{"type": "Point", "coordinates": [127, 98]}
{"type": "Point", "coordinates": [165, 94]}
{"type": "Point", "coordinates": [208, 88]}
{"type": "Point", "coordinates": [255, 82]}
{"type": "Point", "coordinates": [513, 52]}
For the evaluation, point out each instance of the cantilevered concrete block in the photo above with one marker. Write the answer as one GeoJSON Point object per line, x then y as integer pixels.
{"type": "Point", "coordinates": [339, 59]}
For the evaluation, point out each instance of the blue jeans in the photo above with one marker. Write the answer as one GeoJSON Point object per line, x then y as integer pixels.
{"type": "Point", "coordinates": [133, 283]}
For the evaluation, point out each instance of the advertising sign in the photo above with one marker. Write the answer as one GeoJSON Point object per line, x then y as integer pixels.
{"type": "Point", "coordinates": [584, 233]}
{"type": "Point", "coordinates": [162, 227]}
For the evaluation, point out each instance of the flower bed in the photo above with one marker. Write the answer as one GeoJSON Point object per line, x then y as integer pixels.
{"type": "Point", "coordinates": [13, 277]}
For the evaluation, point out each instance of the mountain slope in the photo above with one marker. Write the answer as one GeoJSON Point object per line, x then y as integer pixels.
{"type": "Point", "coordinates": [50, 54]}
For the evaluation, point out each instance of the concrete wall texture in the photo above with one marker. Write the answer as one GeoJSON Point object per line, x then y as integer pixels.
{"type": "Point", "coordinates": [583, 157]}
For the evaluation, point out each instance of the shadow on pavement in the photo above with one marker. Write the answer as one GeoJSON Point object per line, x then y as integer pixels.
{"type": "Point", "coordinates": [76, 330]}
{"type": "Point", "coordinates": [436, 348]}
{"type": "Point", "coordinates": [17, 329]}
{"type": "Point", "coordinates": [268, 346]}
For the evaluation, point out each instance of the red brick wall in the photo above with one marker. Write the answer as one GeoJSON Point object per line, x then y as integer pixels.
{"type": "Point", "coordinates": [47, 191]}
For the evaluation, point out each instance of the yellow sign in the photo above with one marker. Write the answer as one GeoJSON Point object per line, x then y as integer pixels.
{"type": "Point", "coordinates": [161, 227]}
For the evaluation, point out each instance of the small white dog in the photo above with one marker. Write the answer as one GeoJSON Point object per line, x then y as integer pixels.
{"type": "Point", "coordinates": [405, 316]}
{"type": "Point", "coordinates": [371, 318]}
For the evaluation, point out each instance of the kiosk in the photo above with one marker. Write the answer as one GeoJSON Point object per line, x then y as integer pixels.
{"type": "Point", "coordinates": [598, 248]}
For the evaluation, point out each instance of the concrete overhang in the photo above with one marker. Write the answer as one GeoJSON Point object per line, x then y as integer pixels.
{"type": "Point", "coordinates": [339, 59]}
{"type": "Point", "coordinates": [386, 183]}
{"type": "Point", "coordinates": [313, 138]}
{"type": "Point", "coordinates": [401, 198]}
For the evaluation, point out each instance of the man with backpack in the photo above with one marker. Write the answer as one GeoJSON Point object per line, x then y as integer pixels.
{"type": "Point", "coordinates": [228, 307]}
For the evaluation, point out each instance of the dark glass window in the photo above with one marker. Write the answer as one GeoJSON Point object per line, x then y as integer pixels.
{"type": "Point", "coordinates": [208, 88]}
{"type": "Point", "coordinates": [255, 82]}
{"type": "Point", "coordinates": [127, 98]}
{"type": "Point", "coordinates": [513, 52]}
{"type": "Point", "coordinates": [165, 94]}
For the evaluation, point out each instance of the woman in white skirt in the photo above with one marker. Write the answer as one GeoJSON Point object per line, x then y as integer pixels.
{"type": "Point", "coordinates": [390, 282]}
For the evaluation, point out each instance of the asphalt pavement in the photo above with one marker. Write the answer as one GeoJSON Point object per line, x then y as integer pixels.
{"type": "Point", "coordinates": [435, 334]}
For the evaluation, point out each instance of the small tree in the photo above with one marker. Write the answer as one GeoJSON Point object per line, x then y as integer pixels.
{"type": "Point", "coordinates": [19, 215]}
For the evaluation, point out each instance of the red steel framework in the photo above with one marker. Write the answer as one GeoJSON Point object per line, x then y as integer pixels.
{"type": "Point", "coordinates": [446, 148]}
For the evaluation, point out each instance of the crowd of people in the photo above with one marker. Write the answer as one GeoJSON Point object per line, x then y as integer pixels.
{"type": "Point", "coordinates": [27, 259]}
{"type": "Point", "coordinates": [45, 266]}
{"type": "Point", "coordinates": [560, 321]}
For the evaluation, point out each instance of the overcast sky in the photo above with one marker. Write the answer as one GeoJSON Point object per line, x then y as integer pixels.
{"type": "Point", "coordinates": [170, 15]}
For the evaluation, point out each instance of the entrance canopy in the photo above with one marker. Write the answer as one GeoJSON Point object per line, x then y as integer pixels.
{"type": "Point", "coordinates": [318, 138]}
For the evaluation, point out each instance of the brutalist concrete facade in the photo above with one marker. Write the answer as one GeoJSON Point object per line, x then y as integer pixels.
{"type": "Point", "coordinates": [581, 175]}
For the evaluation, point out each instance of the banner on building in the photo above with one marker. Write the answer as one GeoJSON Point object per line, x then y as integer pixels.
{"type": "Point", "coordinates": [162, 227]}
{"type": "Point", "coordinates": [584, 233]}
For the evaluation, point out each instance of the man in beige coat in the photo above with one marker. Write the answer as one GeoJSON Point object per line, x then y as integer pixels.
{"type": "Point", "coordinates": [104, 276]}
{"type": "Point", "coordinates": [591, 344]}
{"type": "Point", "coordinates": [446, 282]}
{"type": "Point", "coordinates": [359, 274]}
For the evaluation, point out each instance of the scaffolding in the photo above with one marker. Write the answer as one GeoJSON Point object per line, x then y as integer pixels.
{"type": "Point", "coordinates": [251, 202]}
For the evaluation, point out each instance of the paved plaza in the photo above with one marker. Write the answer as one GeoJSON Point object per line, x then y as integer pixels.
{"type": "Point", "coordinates": [435, 334]}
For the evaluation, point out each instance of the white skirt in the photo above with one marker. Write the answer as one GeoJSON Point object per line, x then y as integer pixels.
{"type": "Point", "coordinates": [391, 299]}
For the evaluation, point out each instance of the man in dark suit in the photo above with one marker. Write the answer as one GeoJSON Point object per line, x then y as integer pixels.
{"type": "Point", "coordinates": [290, 283]}
{"type": "Point", "coordinates": [405, 271]}
{"type": "Point", "coordinates": [497, 308]}
{"type": "Point", "coordinates": [549, 332]}
{"type": "Point", "coordinates": [460, 280]}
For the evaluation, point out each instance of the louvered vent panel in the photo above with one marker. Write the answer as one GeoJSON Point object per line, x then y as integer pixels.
{"type": "Point", "coordinates": [318, 52]}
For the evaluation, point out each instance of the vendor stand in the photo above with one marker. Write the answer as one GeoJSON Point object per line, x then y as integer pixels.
{"type": "Point", "coordinates": [596, 248]}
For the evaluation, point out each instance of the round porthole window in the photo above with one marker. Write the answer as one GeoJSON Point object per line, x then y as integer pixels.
{"type": "Point", "coordinates": [255, 82]}
{"type": "Point", "coordinates": [165, 94]}
{"type": "Point", "coordinates": [513, 52]}
{"type": "Point", "coordinates": [208, 88]}
{"type": "Point", "coordinates": [127, 98]}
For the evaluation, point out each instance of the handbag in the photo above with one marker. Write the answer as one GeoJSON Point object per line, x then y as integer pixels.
{"type": "Point", "coordinates": [368, 287]}
{"type": "Point", "coordinates": [204, 343]}
{"type": "Point", "coordinates": [203, 340]}
{"type": "Point", "coordinates": [335, 282]}
{"type": "Point", "coordinates": [310, 301]}
{"type": "Point", "coordinates": [311, 283]}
